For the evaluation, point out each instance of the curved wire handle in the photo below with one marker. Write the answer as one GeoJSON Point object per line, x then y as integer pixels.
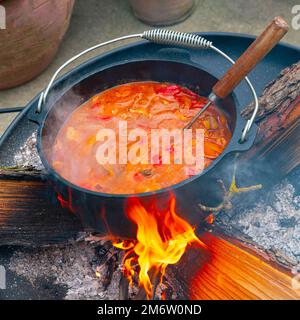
{"type": "Point", "coordinates": [162, 36]}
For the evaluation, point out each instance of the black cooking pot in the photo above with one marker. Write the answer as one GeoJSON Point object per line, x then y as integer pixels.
{"type": "Point", "coordinates": [106, 212]}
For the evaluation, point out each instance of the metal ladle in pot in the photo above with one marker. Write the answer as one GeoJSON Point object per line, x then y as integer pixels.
{"type": "Point", "coordinates": [272, 34]}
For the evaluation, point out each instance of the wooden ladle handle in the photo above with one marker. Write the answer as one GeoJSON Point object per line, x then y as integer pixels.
{"type": "Point", "coordinates": [253, 55]}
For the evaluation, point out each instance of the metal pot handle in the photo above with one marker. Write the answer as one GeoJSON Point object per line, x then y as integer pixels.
{"type": "Point", "coordinates": [161, 36]}
{"type": "Point", "coordinates": [11, 110]}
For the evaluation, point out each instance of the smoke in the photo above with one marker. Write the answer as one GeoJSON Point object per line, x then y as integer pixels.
{"type": "Point", "coordinates": [59, 106]}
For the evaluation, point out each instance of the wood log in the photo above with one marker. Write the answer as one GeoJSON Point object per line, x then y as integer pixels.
{"type": "Point", "coordinates": [278, 120]}
{"type": "Point", "coordinates": [228, 270]}
{"type": "Point", "coordinates": [30, 214]}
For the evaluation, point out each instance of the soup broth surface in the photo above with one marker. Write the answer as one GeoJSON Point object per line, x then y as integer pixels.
{"type": "Point", "coordinates": [143, 105]}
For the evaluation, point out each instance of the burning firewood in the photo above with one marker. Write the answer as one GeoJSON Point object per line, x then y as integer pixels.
{"type": "Point", "coordinates": [230, 270]}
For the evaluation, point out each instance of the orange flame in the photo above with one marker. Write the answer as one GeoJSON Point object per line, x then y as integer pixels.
{"type": "Point", "coordinates": [163, 295]}
{"type": "Point", "coordinates": [210, 219]}
{"type": "Point", "coordinates": [64, 204]}
{"type": "Point", "coordinates": [162, 238]}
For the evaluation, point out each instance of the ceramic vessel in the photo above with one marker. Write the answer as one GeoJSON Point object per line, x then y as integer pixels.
{"type": "Point", "coordinates": [33, 32]}
{"type": "Point", "coordinates": [162, 12]}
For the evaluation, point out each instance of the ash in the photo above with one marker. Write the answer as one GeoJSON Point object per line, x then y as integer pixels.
{"type": "Point", "coordinates": [28, 155]}
{"type": "Point", "coordinates": [273, 223]}
{"type": "Point", "coordinates": [73, 266]}
{"type": "Point", "coordinates": [89, 270]}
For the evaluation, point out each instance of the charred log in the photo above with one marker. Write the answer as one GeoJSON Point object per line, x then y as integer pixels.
{"type": "Point", "coordinates": [30, 214]}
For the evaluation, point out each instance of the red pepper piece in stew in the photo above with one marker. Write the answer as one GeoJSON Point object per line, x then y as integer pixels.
{"type": "Point", "coordinates": [170, 90]}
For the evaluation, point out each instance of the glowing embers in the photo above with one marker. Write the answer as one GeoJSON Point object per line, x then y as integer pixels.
{"type": "Point", "coordinates": [162, 238]}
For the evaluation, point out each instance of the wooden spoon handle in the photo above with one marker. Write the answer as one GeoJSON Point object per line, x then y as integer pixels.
{"type": "Point", "coordinates": [253, 55]}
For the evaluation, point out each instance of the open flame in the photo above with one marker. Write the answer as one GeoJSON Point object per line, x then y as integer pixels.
{"type": "Point", "coordinates": [162, 238]}
{"type": "Point", "coordinates": [220, 269]}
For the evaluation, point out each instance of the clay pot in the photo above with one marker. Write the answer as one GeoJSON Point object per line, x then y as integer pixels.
{"type": "Point", "coordinates": [34, 30]}
{"type": "Point", "coordinates": [162, 12]}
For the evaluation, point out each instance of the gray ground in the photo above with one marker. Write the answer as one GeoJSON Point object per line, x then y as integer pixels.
{"type": "Point", "coordinates": [73, 267]}
{"type": "Point", "coordinates": [275, 224]}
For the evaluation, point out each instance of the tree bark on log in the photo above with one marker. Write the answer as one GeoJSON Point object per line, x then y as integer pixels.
{"type": "Point", "coordinates": [31, 215]}
{"type": "Point", "coordinates": [278, 119]}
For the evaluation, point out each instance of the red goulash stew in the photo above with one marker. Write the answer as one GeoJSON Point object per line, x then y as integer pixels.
{"type": "Point", "coordinates": [145, 105]}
